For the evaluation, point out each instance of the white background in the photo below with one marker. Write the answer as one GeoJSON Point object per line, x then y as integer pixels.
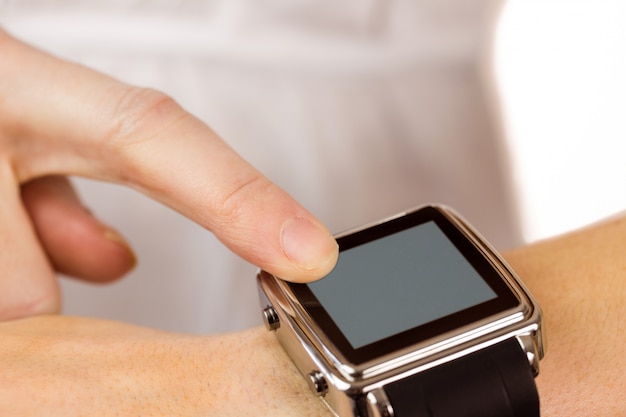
{"type": "Point", "coordinates": [562, 71]}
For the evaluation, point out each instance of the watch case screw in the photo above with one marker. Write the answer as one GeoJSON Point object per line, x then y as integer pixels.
{"type": "Point", "coordinates": [317, 383]}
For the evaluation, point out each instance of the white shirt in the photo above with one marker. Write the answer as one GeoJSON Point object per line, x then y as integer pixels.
{"type": "Point", "coordinates": [359, 109]}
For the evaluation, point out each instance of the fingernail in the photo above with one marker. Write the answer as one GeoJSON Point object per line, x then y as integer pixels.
{"type": "Point", "coordinates": [308, 246]}
{"type": "Point", "coordinates": [115, 237]}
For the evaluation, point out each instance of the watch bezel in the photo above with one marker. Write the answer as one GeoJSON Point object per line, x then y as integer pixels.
{"type": "Point", "coordinates": [505, 298]}
{"type": "Point", "coordinates": [379, 365]}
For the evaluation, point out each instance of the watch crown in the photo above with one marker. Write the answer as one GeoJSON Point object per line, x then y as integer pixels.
{"type": "Point", "coordinates": [270, 318]}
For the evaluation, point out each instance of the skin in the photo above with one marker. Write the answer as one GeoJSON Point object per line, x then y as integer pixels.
{"type": "Point", "coordinates": [580, 282]}
{"type": "Point", "coordinates": [58, 118]}
{"type": "Point", "coordinates": [84, 367]}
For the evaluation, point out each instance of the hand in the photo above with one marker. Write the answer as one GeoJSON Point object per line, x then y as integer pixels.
{"type": "Point", "coordinates": [58, 118]}
{"type": "Point", "coordinates": [63, 366]}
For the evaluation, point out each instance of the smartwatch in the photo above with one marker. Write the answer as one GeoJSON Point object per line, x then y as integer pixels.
{"type": "Point", "coordinates": [420, 317]}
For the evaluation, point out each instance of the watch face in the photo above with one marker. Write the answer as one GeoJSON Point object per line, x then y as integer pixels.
{"type": "Point", "coordinates": [403, 282]}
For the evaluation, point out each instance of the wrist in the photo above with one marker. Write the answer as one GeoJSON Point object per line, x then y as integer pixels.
{"type": "Point", "coordinates": [256, 374]}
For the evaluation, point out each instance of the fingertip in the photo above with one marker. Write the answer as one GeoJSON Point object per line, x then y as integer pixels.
{"type": "Point", "coordinates": [125, 255]}
{"type": "Point", "coordinates": [309, 247]}
{"type": "Point", "coordinates": [80, 246]}
{"type": "Point", "coordinates": [89, 250]}
{"type": "Point", "coordinates": [104, 255]}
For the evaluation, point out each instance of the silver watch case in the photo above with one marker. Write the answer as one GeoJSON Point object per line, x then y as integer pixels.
{"type": "Point", "coordinates": [356, 390]}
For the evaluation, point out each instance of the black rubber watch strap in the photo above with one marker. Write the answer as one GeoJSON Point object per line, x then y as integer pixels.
{"type": "Point", "coordinates": [493, 382]}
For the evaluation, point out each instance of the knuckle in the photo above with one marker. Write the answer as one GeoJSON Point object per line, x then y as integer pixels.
{"type": "Point", "coordinates": [140, 113]}
{"type": "Point", "coordinates": [242, 195]}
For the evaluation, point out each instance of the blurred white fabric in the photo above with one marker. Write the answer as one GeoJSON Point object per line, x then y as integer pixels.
{"type": "Point", "coordinates": [561, 66]}
{"type": "Point", "coordinates": [359, 109]}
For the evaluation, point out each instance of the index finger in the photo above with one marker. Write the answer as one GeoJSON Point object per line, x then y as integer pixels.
{"type": "Point", "coordinates": [61, 118]}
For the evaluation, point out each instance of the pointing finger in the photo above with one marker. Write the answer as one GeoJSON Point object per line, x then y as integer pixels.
{"type": "Point", "coordinates": [70, 120]}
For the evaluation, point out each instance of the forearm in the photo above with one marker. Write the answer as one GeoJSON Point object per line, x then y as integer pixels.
{"type": "Point", "coordinates": [580, 282]}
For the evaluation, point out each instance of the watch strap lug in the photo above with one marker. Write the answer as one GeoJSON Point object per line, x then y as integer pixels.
{"type": "Point", "coordinates": [378, 404]}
